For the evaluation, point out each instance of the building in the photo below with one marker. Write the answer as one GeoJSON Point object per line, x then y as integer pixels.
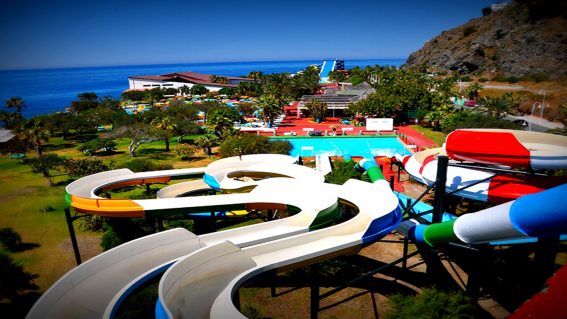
{"type": "Point", "coordinates": [180, 79]}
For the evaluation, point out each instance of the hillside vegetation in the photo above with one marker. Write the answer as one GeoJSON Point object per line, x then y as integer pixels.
{"type": "Point", "coordinates": [526, 39]}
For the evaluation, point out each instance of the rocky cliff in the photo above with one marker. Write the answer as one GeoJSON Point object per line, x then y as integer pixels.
{"type": "Point", "coordinates": [523, 38]}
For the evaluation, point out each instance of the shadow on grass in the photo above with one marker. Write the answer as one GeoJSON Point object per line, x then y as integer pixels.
{"type": "Point", "coordinates": [58, 147]}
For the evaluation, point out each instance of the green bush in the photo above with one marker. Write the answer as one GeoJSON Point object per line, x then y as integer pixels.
{"type": "Point", "coordinates": [342, 171]}
{"type": "Point", "coordinates": [184, 151]}
{"type": "Point", "coordinates": [252, 144]}
{"type": "Point", "coordinates": [144, 165]}
{"type": "Point", "coordinates": [82, 167]}
{"type": "Point", "coordinates": [468, 119]}
{"type": "Point", "coordinates": [431, 303]}
{"type": "Point", "coordinates": [98, 145]}
{"type": "Point", "coordinates": [469, 30]}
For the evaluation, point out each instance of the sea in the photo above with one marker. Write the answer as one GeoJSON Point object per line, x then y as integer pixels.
{"type": "Point", "coordinates": [46, 91]}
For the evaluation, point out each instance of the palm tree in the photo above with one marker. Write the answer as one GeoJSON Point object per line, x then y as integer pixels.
{"type": "Point", "coordinates": [498, 106]}
{"type": "Point", "coordinates": [185, 90]}
{"type": "Point", "coordinates": [207, 142]}
{"type": "Point", "coordinates": [33, 132]}
{"type": "Point", "coordinates": [165, 126]}
{"type": "Point", "coordinates": [473, 90]}
{"type": "Point", "coordinates": [17, 103]}
{"type": "Point", "coordinates": [271, 108]}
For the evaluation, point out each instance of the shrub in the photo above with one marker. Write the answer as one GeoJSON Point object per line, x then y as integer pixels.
{"type": "Point", "coordinates": [431, 303]}
{"type": "Point", "coordinates": [77, 168]}
{"type": "Point", "coordinates": [342, 171]}
{"type": "Point", "coordinates": [184, 151]}
{"type": "Point", "coordinates": [468, 119]}
{"type": "Point", "coordinates": [94, 146]}
{"type": "Point", "coordinates": [144, 165]}
{"type": "Point", "coordinates": [252, 144]}
{"type": "Point", "coordinates": [469, 30]}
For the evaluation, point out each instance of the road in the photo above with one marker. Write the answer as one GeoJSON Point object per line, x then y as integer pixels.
{"type": "Point", "coordinates": [535, 123]}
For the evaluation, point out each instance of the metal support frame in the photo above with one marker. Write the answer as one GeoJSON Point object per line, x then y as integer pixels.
{"type": "Point", "coordinates": [440, 185]}
{"type": "Point", "coordinates": [74, 243]}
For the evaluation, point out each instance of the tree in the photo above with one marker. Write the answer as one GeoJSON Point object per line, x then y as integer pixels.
{"type": "Point", "coordinates": [185, 90]}
{"type": "Point", "coordinates": [17, 103]}
{"type": "Point", "coordinates": [77, 168]}
{"type": "Point", "coordinates": [218, 79]}
{"type": "Point", "coordinates": [45, 165]}
{"type": "Point", "coordinates": [256, 75]}
{"type": "Point", "coordinates": [228, 91]}
{"type": "Point", "coordinates": [252, 144]}
{"type": "Point", "coordinates": [33, 132]}
{"type": "Point", "coordinates": [473, 90]}
{"type": "Point", "coordinates": [318, 110]}
{"type": "Point", "coordinates": [306, 82]}
{"type": "Point", "coordinates": [198, 89]}
{"type": "Point", "coordinates": [137, 133]}
{"type": "Point", "coordinates": [470, 119]}
{"type": "Point", "coordinates": [207, 142]}
{"type": "Point", "coordinates": [498, 107]}
{"type": "Point", "coordinates": [271, 108]}
{"type": "Point", "coordinates": [153, 95]}
{"type": "Point", "coordinates": [222, 119]}
{"type": "Point", "coordinates": [184, 151]}
{"type": "Point", "coordinates": [104, 145]}
{"type": "Point", "coordinates": [337, 76]}
{"type": "Point", "coordinates": [165, 126]}
{"type": "Point", "coordinates": [86, 101]}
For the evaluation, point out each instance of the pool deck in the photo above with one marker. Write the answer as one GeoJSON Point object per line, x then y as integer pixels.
{"type": "Point", "coordinates": [301, 126]}
{"type": "Point", "coordinates": [407, 134]}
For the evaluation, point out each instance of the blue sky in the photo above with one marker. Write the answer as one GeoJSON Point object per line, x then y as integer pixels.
{"type": "Point", "coordinates": [46, 34]}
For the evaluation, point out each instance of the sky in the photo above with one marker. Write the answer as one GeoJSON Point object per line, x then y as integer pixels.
{"type": "Point", "coordinates": [58, 33]}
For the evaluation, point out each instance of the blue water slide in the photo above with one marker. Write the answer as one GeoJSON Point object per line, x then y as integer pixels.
{"type": "Point", "coordinates": [328, 66]}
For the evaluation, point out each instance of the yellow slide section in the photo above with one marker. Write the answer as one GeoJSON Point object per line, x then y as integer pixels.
{"type": "Point", "coordinates": [107, 207]}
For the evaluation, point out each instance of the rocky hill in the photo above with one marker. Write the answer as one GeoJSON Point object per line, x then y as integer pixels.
{"type": "Point", "coordinates": [524, 37]}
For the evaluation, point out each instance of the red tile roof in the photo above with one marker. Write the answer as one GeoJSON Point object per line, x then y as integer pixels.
{"type": "Point", "coordinates": [190, 77]}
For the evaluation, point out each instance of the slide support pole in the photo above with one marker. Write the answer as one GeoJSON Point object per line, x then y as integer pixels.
{"type": "Point", "coordinates": [72, 235]}
{"type": "Point", "coordinates": [440, 184]}
{"type": "Point", "coordinates": [314, 290]}
{"type": "Point", "coordinates": [545, 254]}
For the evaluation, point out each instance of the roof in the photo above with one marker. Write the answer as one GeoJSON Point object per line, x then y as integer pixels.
{"type": "Point", "coordinates": [190, 77]}
{"type": "Point", "coordinates": [5, 135]}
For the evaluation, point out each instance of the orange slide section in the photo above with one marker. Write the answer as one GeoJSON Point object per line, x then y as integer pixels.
{"type": "Point", "coordinates": [107, 207]}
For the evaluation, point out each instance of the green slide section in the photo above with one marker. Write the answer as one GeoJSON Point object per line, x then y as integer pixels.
{"type": "Point", "coordinates": [440, 233]}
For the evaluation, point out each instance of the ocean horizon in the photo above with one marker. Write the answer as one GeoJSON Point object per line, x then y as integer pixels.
{"type": "Point", "coordinates": [46, 91]}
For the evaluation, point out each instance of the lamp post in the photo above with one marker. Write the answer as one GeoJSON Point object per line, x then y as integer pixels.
{"type": "Point", "coordinates": [542, 103]}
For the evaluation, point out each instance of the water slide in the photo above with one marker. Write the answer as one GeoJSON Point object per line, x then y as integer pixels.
{"type": "Point", "coordinates": [504, 148]}
{"type": "Point", "coordinates": [328, 66]}
{"type": "Point", "coordinates": [542, 214]}
{"type": "Point", "coordinates": [114, 274]}
{"type": "Point", "coordinates": [201, 284]}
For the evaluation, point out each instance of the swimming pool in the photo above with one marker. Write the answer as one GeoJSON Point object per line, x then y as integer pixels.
{"type": "Point", "coordinates": [353, 146]}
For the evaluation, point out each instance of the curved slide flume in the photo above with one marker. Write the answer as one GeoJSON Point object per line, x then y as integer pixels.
{"type": "Point", "coordinates": [201, 285]}
{"type": "Point", "coordinates": [113, 274]}
{"type": "Point", "coordinates": [550, 152]}
{"type": "Point", "coordinates": [517, 149]}
{"type": "Point", "coordinates": [542, 214]}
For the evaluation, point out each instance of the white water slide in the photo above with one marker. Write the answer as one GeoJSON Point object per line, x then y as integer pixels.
{"type": "Point", "coordinates": [201, 285]}
{"type": "Point", "coordinates": [95, 288]}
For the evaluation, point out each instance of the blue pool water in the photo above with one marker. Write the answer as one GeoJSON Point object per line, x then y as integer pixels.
{"type": "Point", "coordinates": [353, 146]}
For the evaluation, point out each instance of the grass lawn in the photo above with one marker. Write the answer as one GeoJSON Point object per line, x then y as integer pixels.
{"type": "Point", "coordinates": [435, 136]}
{"type": "Point", "coordinates": [35, 210]}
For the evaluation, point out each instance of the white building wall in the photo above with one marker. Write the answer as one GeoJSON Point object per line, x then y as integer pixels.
{"type": "Point", "coordinates": [140, 84]}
